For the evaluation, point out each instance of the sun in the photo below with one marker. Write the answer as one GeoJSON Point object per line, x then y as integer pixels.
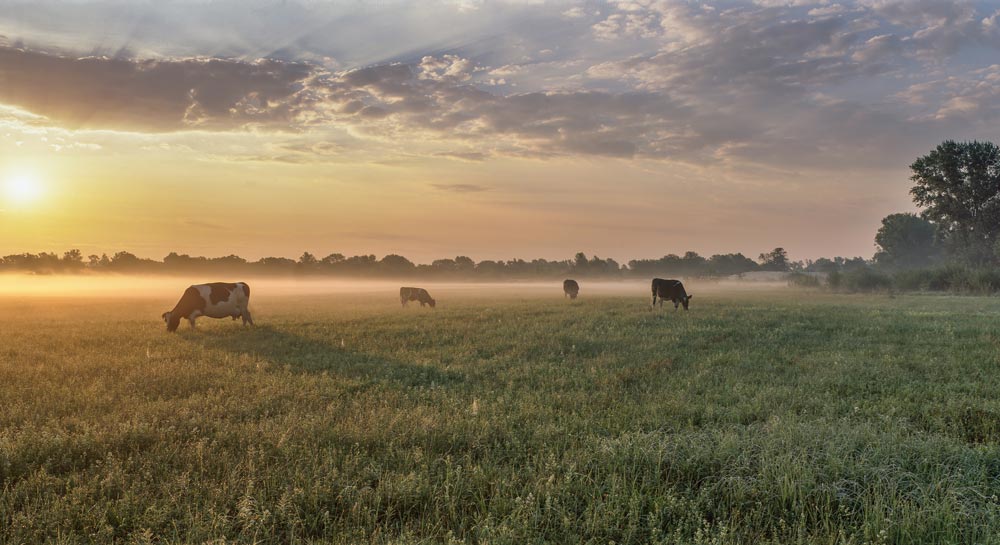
{"type": "Point", "coordinates": [22, 189]}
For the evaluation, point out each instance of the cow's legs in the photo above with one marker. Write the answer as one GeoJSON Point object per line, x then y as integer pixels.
{"type": "Point", "coordinates": [191, 321]}
{"type": "Point", "coordinates": [402, 301]}
{"type": "Point", "coordinates": [247, 319]}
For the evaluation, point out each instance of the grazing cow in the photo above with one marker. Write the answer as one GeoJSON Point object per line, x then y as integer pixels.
{"type": "Point", "coordinates": [415, 294]}
{"type": "Point", "coordinates": [570, 288]}
{"type": "Point", "coordinates": [670, 289]}
{"type": "Point", "coordinates": [215, 300]}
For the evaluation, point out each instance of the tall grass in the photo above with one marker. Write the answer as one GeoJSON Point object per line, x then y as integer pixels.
{"type": "Point", "coordinates": [750, 419]}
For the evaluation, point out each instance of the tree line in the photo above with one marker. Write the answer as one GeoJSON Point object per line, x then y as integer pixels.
{"type": "Point", "coordinates": [690, 264]}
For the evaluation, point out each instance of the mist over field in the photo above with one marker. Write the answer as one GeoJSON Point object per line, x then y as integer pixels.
{"type": "Point", "coordinates": [169, 288]}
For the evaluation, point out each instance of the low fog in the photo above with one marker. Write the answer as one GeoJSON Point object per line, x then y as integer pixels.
{"type": "Point", "coordinates": [169, 288]}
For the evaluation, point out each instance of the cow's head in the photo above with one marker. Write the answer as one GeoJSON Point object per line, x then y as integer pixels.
{"type": "Point", "coordinates": [431, 302]}
{"type": "Point", "coordinates": [685, 300]}
{"type": "Point", "coordinates": [172, 321]}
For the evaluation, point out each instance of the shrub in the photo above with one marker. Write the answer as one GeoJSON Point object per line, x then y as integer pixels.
{"type": "Point", "coordinates": [802, 280]}
{"type": "Point", "coordinates": [835, 280]}
{"type": "Point", "coordinates": [913, 280]}
{"type": "Point", "coordinates": [954, 278]}
{"type": "Point", "coordinates": [864, 280]}
{"type": "Point", "coordinates": [949, 278]}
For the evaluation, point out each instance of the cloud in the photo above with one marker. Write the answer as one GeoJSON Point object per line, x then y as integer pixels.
{"type": "Point", "coordinates": [878, 47]}
{"type": "Point", "coordinates": [699, 82]}
{"type": "Point", "coordinates": [968, 100]}
{"type": "Point", "coordinates": [101, 92]}
{"type": "Point", "coordinates": [575, 12]}
{"type": "Point", "coordinates": [383, 101]}
{"type": "Point", "coordinates": [461, 188]}
{"type": "Point", "coordinates": [474, 156]}
{"type": "Point", "coordinates": [937, 28]}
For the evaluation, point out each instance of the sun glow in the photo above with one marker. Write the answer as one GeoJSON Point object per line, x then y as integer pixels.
{"type": "Point", "coordinates": [22, 189]}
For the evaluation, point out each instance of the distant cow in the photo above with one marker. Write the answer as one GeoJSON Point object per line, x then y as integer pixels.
{"type": "Point", "coordinates": [570, 288]}
{"type": "Point", "coordinates": [670, 289]}
{"type": "Point", "coordinates": [215, 300]}
{"type": "Point", "coordinates": [415, 294]}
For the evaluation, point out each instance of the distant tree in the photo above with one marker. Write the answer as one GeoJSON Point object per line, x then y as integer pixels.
{"type": "Point", "coordinates": [727, 264]}
{"type": "Point", "coordinates": [464, 264]}
{"type": "Point", "coordinates": [444, 265]}
{"type": "Point", "coordinates": [230, 262]}
{"type": "Point", "coordinates": [670, 264]}
{"type": "Point", "coordinates": [275, 265]}
{"type": "Point", "coordinates": [22, 262]}
{"type": "Point", "coordinates": [98, 262]}
{"type": "Point", "coordinates": [611, 267]}
{"type": "Point", "coordinates": [72, 260]}
{"type": "Point", "coordinates": [130, 263]}
{"type": "Point", "coordinates": [518, 267]}
{"type": "Point", "coordinates": [775, 260]}
{"type": "Point", "coordinates": [124, 261]}
{"type": "Point", "coordinates": [360, 265]}
{"type": "Point", "coordinates": [958, 184]}
{"type": "Point", "coordinates": [174, 262]}
{"type": "Point", "coordinates": [851, 264]}
{"type": "Point", "coordinates": [823, 265]}
{"type": "Point", "coordinates": [490, 268]}
{"type": "Point", "coordinates": [905, 241]}
{"type": "Point", "coordinates": [396, 264]}
{"type": "Point", "coordinates": [333, 259]}
{"type": "Point", "coordinates": [693, 264]}
{"type": "Point", "coordinates": [307, 264]}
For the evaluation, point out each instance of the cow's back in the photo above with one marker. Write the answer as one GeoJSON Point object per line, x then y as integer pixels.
{"type": "Point", "coordinates": [224, 298]}
{"type": "Point", "coordinates": [571, 287]}
{"type": "Point", "coordinates": [665, 287]}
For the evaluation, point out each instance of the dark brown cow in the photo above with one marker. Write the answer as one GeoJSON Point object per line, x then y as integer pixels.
{"type": "Point", "coordinates": [670, 289]}
{"type": "Point", "coordinates": [570, 288]}
{"type": "Point", "coordinates": [415, 294]}
{"type": "Point", "coordinates": [215, 300]}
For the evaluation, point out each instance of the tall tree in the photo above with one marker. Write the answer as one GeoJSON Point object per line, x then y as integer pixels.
{"type": "Point", "coordinates": [904, 241]}
{"type": "Point", "coordinates": [958, 184]}
{"type": "Point", "coordinates": [775, 260]}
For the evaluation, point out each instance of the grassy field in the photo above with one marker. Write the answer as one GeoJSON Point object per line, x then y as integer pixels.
{"type": "Point", "coordinates": [777, 417]}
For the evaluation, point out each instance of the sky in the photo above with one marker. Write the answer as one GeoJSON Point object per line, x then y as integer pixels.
{"type": "Point", "coordinates": [493, 129]}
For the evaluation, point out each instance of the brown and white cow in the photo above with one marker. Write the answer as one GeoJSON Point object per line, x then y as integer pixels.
{"type": "Point", "coordinates": [415, 294]}
{"type": "Point", "coordinates": [214, 300]}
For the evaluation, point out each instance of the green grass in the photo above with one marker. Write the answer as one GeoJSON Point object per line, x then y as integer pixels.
{"type": "Point", "coordinates": [776, 418]}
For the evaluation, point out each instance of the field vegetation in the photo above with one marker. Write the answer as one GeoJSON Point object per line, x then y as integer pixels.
{"type": "Point", "coordinates": [506, 415]}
